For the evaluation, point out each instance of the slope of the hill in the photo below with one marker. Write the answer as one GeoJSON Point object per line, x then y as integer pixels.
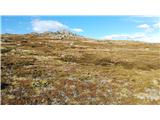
{"type": "Point", "coordinates": [63, 68]}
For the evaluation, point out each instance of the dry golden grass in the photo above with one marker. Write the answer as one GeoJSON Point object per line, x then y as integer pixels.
{"type": "Point", "coordinates": [36, 70]}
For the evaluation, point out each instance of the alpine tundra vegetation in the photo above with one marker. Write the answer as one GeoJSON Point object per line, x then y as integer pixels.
{"type": "Point", "coordinates": [65, 68]}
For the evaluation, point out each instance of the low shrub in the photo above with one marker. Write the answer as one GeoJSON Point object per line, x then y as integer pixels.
{"type": "Point", "coordinates": [5, 49]}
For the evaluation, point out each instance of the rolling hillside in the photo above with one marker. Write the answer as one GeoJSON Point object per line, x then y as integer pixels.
{"type": "Point", "coordinates": [64, 68]}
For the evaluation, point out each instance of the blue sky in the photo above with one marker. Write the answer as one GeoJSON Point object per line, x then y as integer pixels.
{"type": "Point", "coordinates": [141, 28]}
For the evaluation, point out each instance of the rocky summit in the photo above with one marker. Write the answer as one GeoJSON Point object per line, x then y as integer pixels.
{"type": "Point", "coordinates": [59, 35]}
{"type": "Point", "coordinates": [65, 68]}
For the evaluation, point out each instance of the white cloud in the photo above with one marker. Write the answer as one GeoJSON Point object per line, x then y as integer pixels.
{"type": "Point", "coordinates": [157, 25]}
{"type": "Point", "coordinates": [51, 25]}
{"type": "Point", "coordinates": [154, 39]}
{"type": "Point", "coordinates": [145, 27]}
{"type": "Point", "coordinates": [149, 28]}
{"type": "Point", "coordinates": [47, 25]}
{"type": "Point", "coordinates": [125, 36]}
{"type": "Point", "coordinates": [77, 30]}
{"type": "Point", "coordinates": [137, 37]}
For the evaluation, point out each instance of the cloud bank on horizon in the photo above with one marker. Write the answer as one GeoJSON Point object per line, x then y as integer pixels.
{"type": "Point", "coordinates": [138, 28]}
{"type": "Point", "coordinates": [147, 35]}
